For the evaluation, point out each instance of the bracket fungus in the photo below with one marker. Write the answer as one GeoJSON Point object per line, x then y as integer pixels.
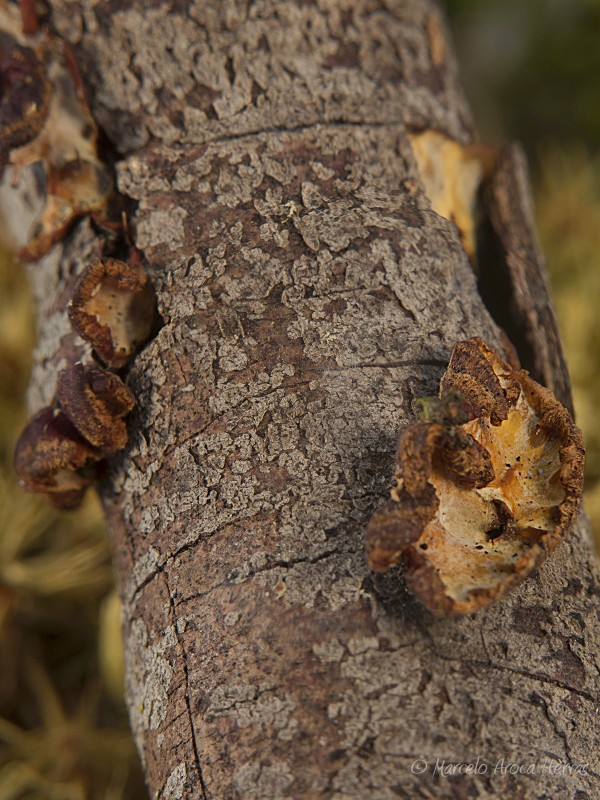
{"type": "Point", "coordinates": [96, 401]}
{"type": "Point", "coordinates": [481, 493]}
{"type": "Point", "coordinates": [114, 308]}
{"type": "Point", "coordinates": [51, 458]}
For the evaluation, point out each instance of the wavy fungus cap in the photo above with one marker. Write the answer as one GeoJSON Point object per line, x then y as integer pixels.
{"type": "Point", "coordinates": [477, 506]}
{"type": "Point", "coordinates": [96, 402]}
{"type": "Point", "coordinates": [51, 458]}
{"type": "Point", "coordinates": [113, 308]}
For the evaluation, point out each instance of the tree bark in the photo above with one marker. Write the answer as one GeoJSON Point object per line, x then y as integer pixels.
{"type": "Point", "coordinates": [308, 294]}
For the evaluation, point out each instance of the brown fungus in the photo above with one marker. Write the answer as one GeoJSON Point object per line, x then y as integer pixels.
{"type": "Point", "coordinates": [113, 307]}
{"type": "Point", "coordinates": [51, 458]}
{"type": "Point", "coordinates": [44, 119]}
{"type": "Point", "coordinates": [25, 94]}
{"type": "Point", "coordinates": [73, 190]}
{"type": "Point", "coordinates": [96, 401]}
{"type": "Point", "coordinates": [477, 506]}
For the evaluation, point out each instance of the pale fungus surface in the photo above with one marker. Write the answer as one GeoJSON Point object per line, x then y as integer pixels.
{"type": "Point", "coordinates": [469, 526]}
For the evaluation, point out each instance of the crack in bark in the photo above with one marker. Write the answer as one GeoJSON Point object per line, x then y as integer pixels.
{"type": "Point", "coordinates": [282, 563]}
{"type": "Point", "coordinates": [390, 365]}
{"type": "Point", "coordinates": [279, 564]}
{"type": "Point", "coordinates": [523, 673]}
{"type": "Point", "coordinates": [171, 448]}
{"type": "Point", "coordinates": [292, 562]}
{"type": "Point", "coordinates": [338, 368]}
{"type": "Point", "coordinates": [186, 693]}
{"type": "Point", "coordinates": [561, 734]}
{"type": "Point", "coordinates": [282, 130]}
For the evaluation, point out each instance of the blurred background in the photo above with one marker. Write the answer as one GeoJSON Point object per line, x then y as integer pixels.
{"type": "Point", "coordinates": [63, 728]}
{"type": "Point", "coordinates": [532, 73]}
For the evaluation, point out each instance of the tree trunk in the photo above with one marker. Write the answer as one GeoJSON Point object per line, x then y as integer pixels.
{"type": "Point", "coordinates": [308, 294]}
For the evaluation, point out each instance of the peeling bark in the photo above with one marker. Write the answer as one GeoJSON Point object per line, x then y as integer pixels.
{"type": "Point", "coordinates": [308, 293]}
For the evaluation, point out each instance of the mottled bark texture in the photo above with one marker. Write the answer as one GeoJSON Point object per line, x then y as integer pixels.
{"type": "Point", "coordinates": [308, 294]}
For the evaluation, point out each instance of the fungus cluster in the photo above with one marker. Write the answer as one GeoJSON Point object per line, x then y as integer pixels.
{"type": "Point", "coordinates": [60, 451]}
{"type": "Point", "coordinates": [44, 119]}
{"type": "Point", "coordinates": [482, 492]}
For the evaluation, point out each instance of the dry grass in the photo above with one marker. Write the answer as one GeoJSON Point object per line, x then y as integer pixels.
{"type": "Point", "coordinates": [568, 214]}
{"type": "Point", "coordinates": [63, 728]}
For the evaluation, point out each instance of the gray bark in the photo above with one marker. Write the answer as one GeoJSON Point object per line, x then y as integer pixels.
{"type": "Point", "coordinates": [308, 294]}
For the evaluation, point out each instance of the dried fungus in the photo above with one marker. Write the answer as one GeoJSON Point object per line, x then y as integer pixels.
{"type": "Point", "coordinates": [53, 459]}
{"type": "Point", "coordinates": [477, 506]}
{"type": "Point", "coordinates": [45, 120]}
{"type": "Point", "coordinates": [113, 307]}
{"type": "Point", "coordinates": [96, 401]}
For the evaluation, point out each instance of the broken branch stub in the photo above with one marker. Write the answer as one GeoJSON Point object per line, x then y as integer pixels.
{"type": "Point", "coordinates": [477, 506]}
{"type": "Point", "coordinates": [452, 175]}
